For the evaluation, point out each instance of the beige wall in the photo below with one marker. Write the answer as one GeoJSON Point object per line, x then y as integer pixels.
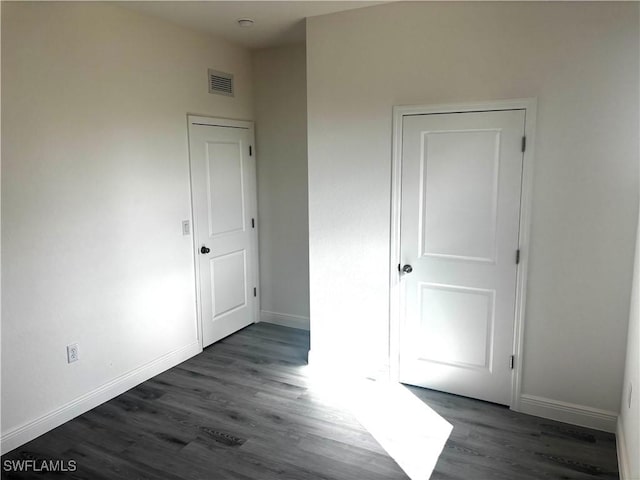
{"type": "Point", "coordinates": [95, 185]}
{"type": "Point", "coordinates": [280, 92]}
{"type": "Point", "coordinates": [581, 61]}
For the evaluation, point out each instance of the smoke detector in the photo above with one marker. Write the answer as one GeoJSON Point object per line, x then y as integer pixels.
{"type": "Point", "coordinates": [245, 22]}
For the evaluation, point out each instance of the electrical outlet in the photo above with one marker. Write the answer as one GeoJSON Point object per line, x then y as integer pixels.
{"type": "Point", "coordinates": [186, 227]}
{"type": "Point", "coordinates": [73, 354]}
{"type": "Point", "coordinates": [630, 393]}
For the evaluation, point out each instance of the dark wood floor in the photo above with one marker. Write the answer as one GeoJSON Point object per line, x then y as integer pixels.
{"type": "Point", "coordinates": [490, 441]}
{"type": "Point", "coordinates": [243, 410]}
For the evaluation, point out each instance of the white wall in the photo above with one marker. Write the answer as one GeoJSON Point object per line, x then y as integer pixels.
{"type": "Point", "coordinates": [95, 184]}
{"type": "Point", "coordinates": [629, 422]}
{"type": "Point", "coordinates": [581, 61]}
{"type": "Point", "coordinates": [280, 96]}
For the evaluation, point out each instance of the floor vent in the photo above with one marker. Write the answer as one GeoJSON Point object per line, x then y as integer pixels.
{"type": "Point", "coordinates": [220, 83]}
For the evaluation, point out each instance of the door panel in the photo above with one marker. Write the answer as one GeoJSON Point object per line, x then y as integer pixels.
{"type": "Point", "coordinates": [460, 222]}
{"type": "Point", "coordinates": [456, 324]}
{"type": "Point", "coordinates": [225, 187]}
{"type": "Point", "coordinates": [461, 181]}
{"type": "Point", "coordinates": [224, 204]}
{"type": "Point", "coordinates": [228, 283]}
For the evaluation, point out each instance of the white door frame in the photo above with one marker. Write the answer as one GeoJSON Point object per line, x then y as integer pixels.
{"type": "Point", "coordinates": [395, 300]}
{"type": "Point", "coordinates": [231, 123]}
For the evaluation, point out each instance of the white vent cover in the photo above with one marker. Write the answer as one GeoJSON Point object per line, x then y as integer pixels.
{"type": "Point", "coordinates": [220, 83]}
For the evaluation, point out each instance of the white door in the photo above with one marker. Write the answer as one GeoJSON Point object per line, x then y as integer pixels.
{"type": "Point", "coordinates": [461, 184]}
{"type": "Point", "coordinates": [223, 187]}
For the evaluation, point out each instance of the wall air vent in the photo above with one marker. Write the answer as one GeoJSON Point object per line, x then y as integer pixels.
{"type": "Point", "coordinates": [220, 83]}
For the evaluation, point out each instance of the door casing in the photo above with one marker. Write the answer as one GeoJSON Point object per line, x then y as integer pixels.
{"type": "Point", "coordinates": [230, 123]}
{"type": "Point", "coordinates": [529, 105]}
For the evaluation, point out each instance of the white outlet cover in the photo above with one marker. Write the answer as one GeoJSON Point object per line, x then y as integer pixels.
{"type": "Point", "coordinates": [73, 354]}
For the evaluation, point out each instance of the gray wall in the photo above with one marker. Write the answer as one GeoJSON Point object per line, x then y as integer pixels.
{"type": "Point", "coordinates": [280, 92]}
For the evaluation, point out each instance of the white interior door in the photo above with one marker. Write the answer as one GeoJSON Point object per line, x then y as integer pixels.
{"type": "Point", "coordinates": [461, 185]}
{"type": "Point", "coordinates": [223, 186]}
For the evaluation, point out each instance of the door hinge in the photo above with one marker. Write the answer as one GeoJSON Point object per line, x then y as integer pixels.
{"type": "Point", "coordinates": [524, 144]}
{"type": "Point", "coordinates": [518, 257]}
{"type": "Point", "coordinates": [512, 361]}
{"type": "Point", "coordinates": [253, 223]}
{"type": "Point", "coordinates": [255, 292]}
{"type": "Point", "coordinates": [251, 150]}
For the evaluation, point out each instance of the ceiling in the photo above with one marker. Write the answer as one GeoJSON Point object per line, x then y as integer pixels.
{"type": "Point", "coordinates": [276, 23]}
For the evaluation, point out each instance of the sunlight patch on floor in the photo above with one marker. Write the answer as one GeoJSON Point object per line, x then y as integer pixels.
{"type": "Point", "coordinates": [408, 429]}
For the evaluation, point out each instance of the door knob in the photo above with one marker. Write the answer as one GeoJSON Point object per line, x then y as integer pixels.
{"type": "Point", "coordinates": [407, 269]}
{"type": "Point", "coordinates": [204, 249]}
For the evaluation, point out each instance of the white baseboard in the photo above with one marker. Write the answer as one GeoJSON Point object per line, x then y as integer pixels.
{"type": "Point", "coordinates": [284, 319]}
{"type": "Point", "coordinates": [623, 453]}
{"type": "Point", "coordinates": [30, 430]}
{"type": "Point", "coordinates": [569, 413]}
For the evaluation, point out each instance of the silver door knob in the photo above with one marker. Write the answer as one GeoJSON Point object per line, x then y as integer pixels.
{"type": "Point", "coordinates": [204, 250]}
{"type": "Point", "coordinates": [407, 269]}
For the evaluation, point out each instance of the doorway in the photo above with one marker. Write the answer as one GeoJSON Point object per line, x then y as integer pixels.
{"type": "Point", "coordinates": [224, 202]}
{"type": "Point", "coordinates": [459, 242]}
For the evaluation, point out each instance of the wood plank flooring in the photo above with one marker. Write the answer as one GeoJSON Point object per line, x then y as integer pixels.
{"type": "Point", "coordinates": [243, 410]}
{"type": "Point", "coordinates": [490, 441]}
